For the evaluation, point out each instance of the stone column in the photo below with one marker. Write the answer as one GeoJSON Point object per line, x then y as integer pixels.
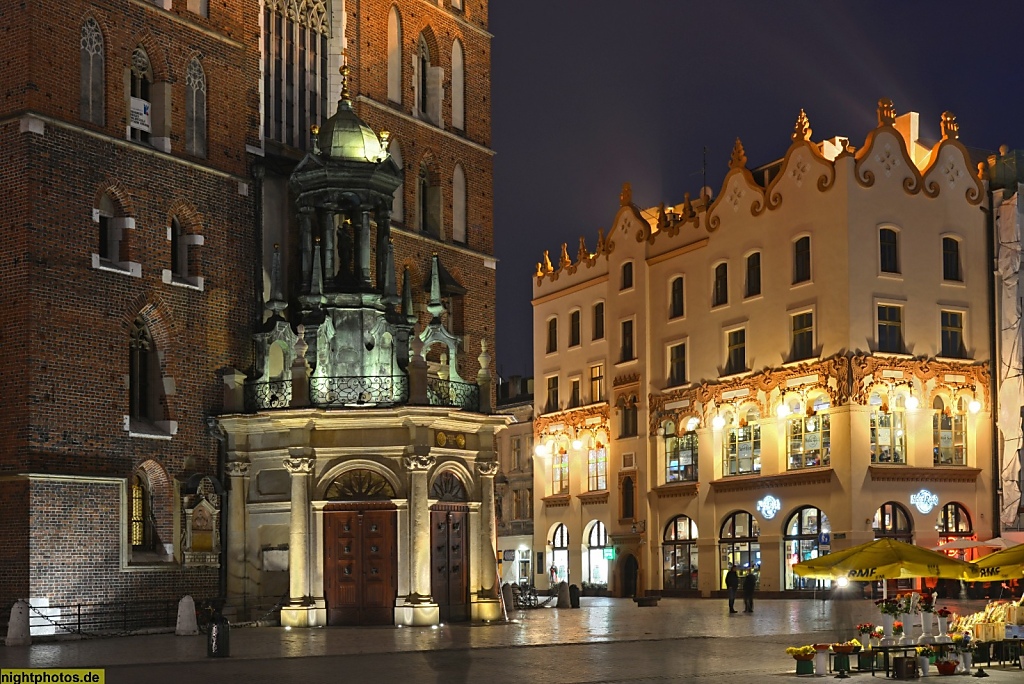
{"type": "Point", "coordinates": [327, 227]}
{"type": "Point", "coordinates": [383, 237]}
{"type": "Point", "coordinates": [299, 464]}
{"type": "Point", "coordinates": [238, 488]}
{"type": "Point", "coordinates": [419, 527]}
{"type": "Point", "coordinates": [306, 243]}
{"type": "Point", "coordinates": [364, 248]}
{"type": "Point", "coordinates": [488, 530]}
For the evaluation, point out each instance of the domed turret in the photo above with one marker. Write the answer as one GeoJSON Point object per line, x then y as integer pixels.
{"type": "Point", "coordinates": [345, 137]}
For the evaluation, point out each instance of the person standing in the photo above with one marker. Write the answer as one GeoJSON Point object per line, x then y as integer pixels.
{"type": "Point", "coordinates": [749, 585]}
{"type": "Point", "coordinates": [732, 583]}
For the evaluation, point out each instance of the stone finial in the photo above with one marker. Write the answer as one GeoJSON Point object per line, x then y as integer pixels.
{"type": "Point", "coordinates": [435, 306]}
{"type": "Point", "coordinates": [583, 254]}
{"type": "Point", "coordinates": [626, 196]}
{"type": "Point", "coordinates": [662, 217]}
{"type": "Point", "coordinates": [565, 261]}
{"type": "Point", "coordinates": [540, 271]}
{"type": "Point", "coordinates": [739, 156]}
{"type": "Point", "coordinates": [886, 112]}
{"type": "Point", "coordinates": [484, 359]}
{"type": "Point", "coordinates": [343, 70]}
{"type": "Point", "coordinates": [385, 140]}
{"type": "Point", "coordinates": [802, 129]}
{"type": "Point", "coordinates": [300, 342]}
{"type": "Point", "coordinates": [277, 303]}
{"type": "Point", "coordinates": [950, 128]}
{"type": "Point", "coordinates": [548, 268]}
{"type": "Point", "coordinates": [982, 171]}
{"type": "Point", "coordinates": [688, 212]}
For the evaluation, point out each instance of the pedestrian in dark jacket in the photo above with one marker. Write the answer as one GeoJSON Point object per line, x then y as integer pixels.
{"type": "Point", "coordinates": [749, 584]}
{"type": "Point", "coordinates": [732, 583]}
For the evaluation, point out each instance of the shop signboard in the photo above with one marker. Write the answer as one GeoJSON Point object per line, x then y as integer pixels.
{"type": "Point", "coordinates": [824, 542]}
{"type": "Point", "coordinates": [140, 114]}
{"type": "Point", "coordinates": [609, 553]}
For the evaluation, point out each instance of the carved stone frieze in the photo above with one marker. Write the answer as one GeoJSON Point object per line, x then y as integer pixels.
{"type": "Point", "coordinates": [793, 478]}
{"type": "Point", "coordinates": [487, 468]}
{"type": "Point", "coordinates": [419, 462]}
{"type": "Point", "coordinates": [237, 468]}
{"type": "Point", "coordinates": [626, 379]}
{"type": "Point", "coordinates": [589, 417]}
{"type": "Point", "coordinates": [868, 375]}
{"type": "Point", "coordinates": [893, 473]}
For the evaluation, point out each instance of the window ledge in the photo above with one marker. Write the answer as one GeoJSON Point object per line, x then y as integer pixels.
{"type": "Point", "coordinates": [804, 476]}
{"type": "Point", "coordinates": [802, 283]}
{"type": "Point", "coordinates": [161, 429]}
{"type": "Point", "coordinates": [676, 489]}
{"type": "Point", "coordinates": [734, 376]}
{"type": "Point", "coordinates": [753, 297]}
{"type": "Point", "coordinates": [904, 473]}
{"type": "Point", "coordinates": [885, 275]}
{"type": "Point", "coordinates": [626, 362]}
{"type": "Point", "coordinates": [128, 268]}
{"type": "Point", "coordinates": [556, 500]}
{"type": "Point", "coordinates": [893, 355]}
{"type": "Point", "coordinates": [191, 283]}
{"type": "Point", "coordinates": [954, 359]}
{"type": "Point", "coordinates": [954, 283]}
{"type": "Point", "coordinates": [597, 497]}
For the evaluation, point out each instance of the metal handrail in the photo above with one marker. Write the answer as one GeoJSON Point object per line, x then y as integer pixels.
{"type": "Point", "coordinates": [461, 395]}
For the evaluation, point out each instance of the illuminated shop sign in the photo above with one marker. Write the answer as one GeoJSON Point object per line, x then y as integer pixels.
{"type": "Point", "coordinates": [769, 506]}
{"type": "Point", "coordinates": [924, 501]}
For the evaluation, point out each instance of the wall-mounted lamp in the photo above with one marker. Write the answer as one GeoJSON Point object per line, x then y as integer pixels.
{"type": "Point", "coordinates": [661, 431]}
{"type": "Point", "coordinates": [782, 411]}
{"type": "Point", "coordinates": [577, 444]}
{"type": "Point", "coordinates": [718, 422]}
{"type": "Point", "coordinates": [912, 402]}
{"type": "Point", "coordinates": [974, 406]}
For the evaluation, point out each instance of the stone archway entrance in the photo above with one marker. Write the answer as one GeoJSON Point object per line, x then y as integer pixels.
{"type": "Point", "coordinates": [360, 551]}
{"type": "Point", "coordinates": [630, 576]}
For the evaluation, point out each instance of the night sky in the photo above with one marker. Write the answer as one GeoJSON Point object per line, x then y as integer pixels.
{"type": "Point", "coordinates": [588, 94]}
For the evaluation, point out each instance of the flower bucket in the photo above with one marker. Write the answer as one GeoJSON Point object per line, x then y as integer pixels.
{"type": "Point", "coordinates": [946, 667]}
{"type": "Point", "coordinates": [922, 664]}
{"type": "Point", "coordinates": [805, 667]}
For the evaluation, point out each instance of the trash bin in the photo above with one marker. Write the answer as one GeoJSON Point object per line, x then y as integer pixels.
{"type": "Point", "coordinates": [218, 637]}
{"type": "Point", "coordinates": [574, 596]}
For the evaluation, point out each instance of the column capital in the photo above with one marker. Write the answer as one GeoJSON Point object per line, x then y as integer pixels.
{"type": "Point", "coordinates": [419, 462]}
{"type": "Point", "coordinates": [487, 468]}
{"type": "Point", "coordinates": [237, 468]}
{"type": "Point", "coordinates": [299, 465]}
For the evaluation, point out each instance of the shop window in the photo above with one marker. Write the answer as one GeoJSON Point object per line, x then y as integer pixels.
{"type": "Point", "coordinates": [738, 545]}
{"type": "Point", "coordinates": [888, 430]}
{"type": "Point", "coordinates": [596, 568]}
{"type": "Point", "coordinates": [559, 571]}
{"type": "Point", "coordinates": [679, 549]}
{"type": "Point", "coordinates": [949, 435]}
{"type": "Point", "coordinates": [743, 446]}
{"type": "Point", "coordinates": [809, 435]}
{"type": "Point", "coordinates": [800, 543]}
{"type": "Point", "coordinates": [892, 521]}
{"type": "Point", "coordinates": [92, 82]}
{"type": "Point", "coordinates": [681, 455]}
{"type": "Point", "coordinates": [752, 287]}
{"type": "Point", "coordinates": [888, 251]}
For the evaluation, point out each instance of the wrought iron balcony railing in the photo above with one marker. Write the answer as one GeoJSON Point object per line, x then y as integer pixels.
{"type": "Point", "coordinates": [275, 394]}
{"type": "Point", "coordinates": [456, 394]}
{"type": "Point", "coordinates": [355, 391]}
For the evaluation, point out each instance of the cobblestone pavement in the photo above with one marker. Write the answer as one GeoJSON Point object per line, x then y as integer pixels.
{"type": "Point", "coordinates": [606, 640]}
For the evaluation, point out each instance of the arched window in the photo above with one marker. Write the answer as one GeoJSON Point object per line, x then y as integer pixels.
{"type": "Point", "coordinates": [681, 452]}
{"type": "Point", "coordinates": [753, 284]}
{"type": "Point", "coordinates": [892, 521]}
{"type": "Point", "coordinates": [459, 205]}
{"type": "Point", "coordinates": [140, 122]}
{"type": "Point", "coordinates": [195, 109]}
{"type": "Point", "coordinates": [888, 429]}
{"type": "Point", "coordinates": [552, 343]}
{"type": "Point", "coordinates": [448, 487]}
{"type": "Point", "coordinates": [394, 56]}
{"type": "Point", "coordinates": [142, 533]}
{"type": "Point", "coordinates": [801, 543]}
{"type": "Point", "coordinates": [951, 260]}
{"type": "Point", "coordinates": [596, 571]}
{"type": "Point", "coordinates": [954, 521]}
{"type": "Point", "coordinates": [144, 375]}
{"type": "Point", "coordinates": [429, 203]}
{"type": "Point", "coordinates": [802, 260]}
{"type": "Point", "coordinates": [888, 251]}
{"type": "Point", "coordinates": [597, 466]}
{"type": "Point", "coordinates": [809, 444]}
{"type": "Point", "coordinates": [627, 276]}
{"type": "Point", "coordinates": [675, 309]}
{"type": "Point", "coordinates": [179, 251]}
{"type": "Point", "coordinates": [560, 554]}
{"type": "Point", "coordinates": [427, 84]}
{"type": "Point", "coordinates": [720, 291]}
{"type": "Point", "coordinates": [458, 87]}
{"type": "Point", "coordinates": [91, 73]}
{"type": "Point", "coordinates": [398, 205]}
{"type": "Point", "coordinates": [295, 82]}
{"type": "Point", "coordinates": [949, 435]}
{"type": "Point", "coordinates": [679, 549]}
{"type": "Point", "coordinates": [359, 484]}
{"type": "Point", "coordinates": [743, 446]}
{"type": "Point", "coordinates": [738, 545]}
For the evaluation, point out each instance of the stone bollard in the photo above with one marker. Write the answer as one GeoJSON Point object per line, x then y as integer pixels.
{"type": "Point", "coordinates": [187, 625]}
{"type": "Point", "coordinates": [17, 629]}
{"type": "Point", "coordinates": [506, 596]}
{"type": "Point", "coordinates": [563, 596]}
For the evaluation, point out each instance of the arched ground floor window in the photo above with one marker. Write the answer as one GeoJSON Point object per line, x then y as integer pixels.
{"type": "Point", "coordinates": [801, 542]}
{"type": "Point", "coordinates": [595, 569]}
{"type": "Point", "coordinates": [559, 570]}
{"type": "Point", "coordinates": [738, 545]}
{"type": "Point", "coordinates": [679, 554]}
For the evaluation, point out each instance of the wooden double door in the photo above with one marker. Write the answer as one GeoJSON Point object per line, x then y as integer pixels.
{"type": "Point", "coordinates": [360, 566]}
{"type": "Point", "coordinates": [449, 560]}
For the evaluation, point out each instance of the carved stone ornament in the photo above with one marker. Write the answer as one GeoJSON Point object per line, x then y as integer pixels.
{"type": "Point", "coordinates": [739, 156]}
{"type": "Point", "coordinates": [419, 462]}
{"type": "Point", "coordinates": [590, 417]}
{"type": "Point", "coordinates": [487, 468]}
{"type": "Point", "coordinates": [297, 465]}
{"type": "Point", "coordinates": [237, 468]}
{"type": "Point", "coordinates": [802, 129]}
{"type": "Point", "coordinates": [886, 112]}
{"type": "Point", "coordinates": [950, 128]}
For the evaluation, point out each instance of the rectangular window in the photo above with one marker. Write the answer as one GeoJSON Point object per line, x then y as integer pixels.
{"type": "Point", "coordinates": [736, 351]}
{"type": "Point", "coordinates": [597, 383]}
{"type": "Point", "coordinates": [809, 442]}
{"type": "Point", "coordinates": [552, 336]}
{"type": "Point", "coordinates": [951, 259]}
{"type": "Point", "coordinates": [952, 335]}
{"type": "Point", "coordinates": [574, 393]}
{"type": "Point", "coordinates": [517, 504]}
{"type": "Point", "coordinates": [890, 328]}
{"type": "Point", "coordinates": [597, 469]}
{"type": "Point", "coordinates": [720, 293]}
{"type": "Point", "coordinates": [676, 306]}
{"type": "Point", "coordinates": [517, 453]}
{"type": "Point", "coordinates": [802, 260]}
{"type": "Point", "coordinates": [803, 336]}
{"type": "Point", "coordinates": [626, 352]}
{"type": "Point", "coordinates": [560, 473]}
{"type": "Point", "coordinates": [888, 435]}
{"type": "Point", "coordinates": [574, 329]}
{"type": "Point", "coordinates": [677, 364]}
{"type": "Point", "coordinates": [599, 321]}
{"type": "Point", "coordinates": [628, 424]}
{"type": "Point", "coordinates": [948, 442]}
{"type": "Point", "coordinates": [627, 275]}
{"type": "Point", "coordinates": [753, 285]}
{"type": "Point", "coordinates": [681, 457]}
{"type": "Point", "coordinates": [552, 404]}
{"type": "Point", "coordinates": [742, 450]}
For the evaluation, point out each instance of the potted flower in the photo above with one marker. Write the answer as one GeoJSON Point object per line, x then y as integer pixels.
{"type": "Point", "coordinates": [804, 657]}
{"type": "Point", "coordinates": [925, 654]}
{"type": "Point", "coordinates": [857, 646]}
{"type": "Point", "coordinates": [866, 630]}
{"type": "Point", "coordinates": [943, 614]}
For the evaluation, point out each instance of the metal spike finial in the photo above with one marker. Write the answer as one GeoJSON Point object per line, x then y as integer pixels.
{"type": "Point", "coordinates": [343, 70]}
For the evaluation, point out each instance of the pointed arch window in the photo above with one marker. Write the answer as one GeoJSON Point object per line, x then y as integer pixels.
{"type": "Point", "coordinates": [398, 204]}
{"type": "Point", "coordinates": [143, 374]}
{"type": "Point", "coordinates": [459, 205]}
{"type": "Point", "coordinates": [429, 203]}
{"type": "Point", "coordinates": [141, 102]}
{"type": "Point", "coordinates": [394, 56]}
{"type": "Point", "coordinates": [179, 252]}
{"type": "Point", "coordinates": [195, 109]}
{"type": "Point", "coordinates": [458, 87]}
{"type": "Point", "coordinates": [427, 84]}
{"type": "Point", "coordinates": [91, 77]}
{"type": "Point", "coordinates": [142, 535]}
{"type": "Point", "coordinates": [295, 77]}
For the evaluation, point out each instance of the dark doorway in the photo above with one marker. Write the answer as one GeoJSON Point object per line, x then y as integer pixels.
{"type": "Point", "coordinates": [449, 560]}
{"type": "Point", "coordinates": [630, 576]}
{"type": "Point", "coordinates": [360, 568]}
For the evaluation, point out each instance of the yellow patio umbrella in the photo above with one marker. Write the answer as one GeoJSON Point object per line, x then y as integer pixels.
{"type": "Point", "coordinates": [1001, 565]}
{"type": "Point", "coordinates": [883, 559]}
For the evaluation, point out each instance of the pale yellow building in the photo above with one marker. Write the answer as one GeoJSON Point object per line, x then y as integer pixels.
{"type": "Point", "coordinates": [724, 380]}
